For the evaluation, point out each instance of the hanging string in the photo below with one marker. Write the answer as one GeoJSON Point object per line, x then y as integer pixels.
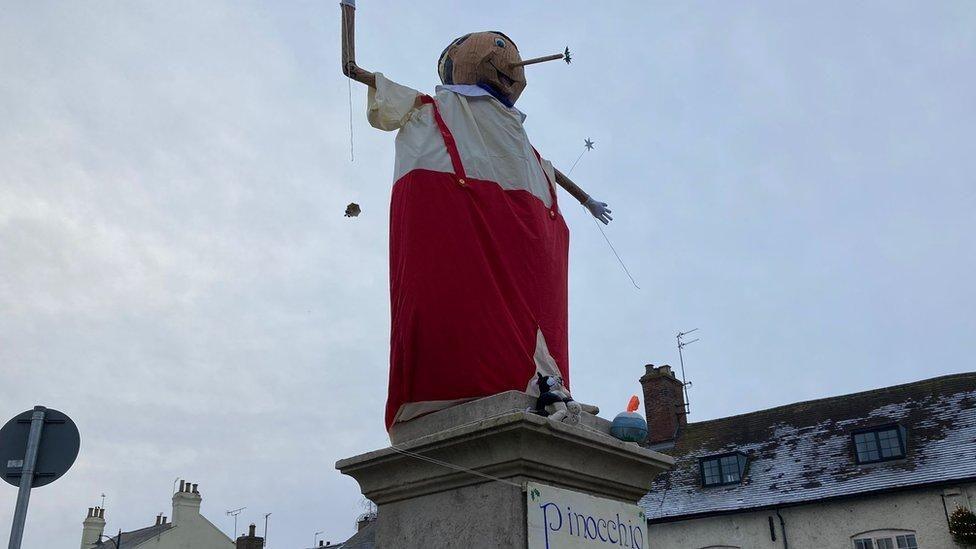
{"type": "Point", "coordinates": [589, 145]}
{"type": "Point", "coordinates": [454, 467]}
{"type": "Point", "coordinates": [352, 150]}
{"type": "Point", "coordinates": [352, 153]}
{"type": "Point", "coordinates": [614, 250]}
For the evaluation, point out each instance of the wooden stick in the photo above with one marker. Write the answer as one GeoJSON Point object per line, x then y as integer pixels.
{"type": "Point", "coordinates": [349, 66]}
{"type": "Point", "coordinates": [565, 182]}
{"type": "Point", "coordinates": [543, 59]}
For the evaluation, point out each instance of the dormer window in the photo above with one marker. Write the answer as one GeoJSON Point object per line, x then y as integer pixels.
{"type": "Point", "coordinates": [722, 469]}
{"type": "Point", "coordinates": [879, 444]}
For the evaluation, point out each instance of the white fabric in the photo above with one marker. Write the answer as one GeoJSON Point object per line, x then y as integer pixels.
{"type": "Point", "coordinates": [544, 364]}
{"type": "Point", "coordinates": [470, 90]}
{"type": "Point", "coordinates": [411, 410]}
{"type": "Point", "coordinates": [490, 137]}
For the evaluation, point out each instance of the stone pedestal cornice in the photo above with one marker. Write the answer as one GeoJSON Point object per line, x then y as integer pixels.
{"type": "Point", "coordinates": [514, 446]}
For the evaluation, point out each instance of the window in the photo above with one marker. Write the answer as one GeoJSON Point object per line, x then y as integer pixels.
{"type": "Point", "coordinates": [722, 469]}
{"type": "Point", "coordinates": [879, 444]}
{"type": "Point", "coordinates": [886, 539]}
{"type": "Point", "coordinates": [906, 542]}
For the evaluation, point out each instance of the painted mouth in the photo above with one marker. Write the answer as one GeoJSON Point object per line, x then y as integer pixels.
{"type": "Point", "coordinates": [502, 77]}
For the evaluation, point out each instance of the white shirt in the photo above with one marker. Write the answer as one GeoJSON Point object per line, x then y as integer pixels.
{"type": "Point", "coordinates": [490, 137]}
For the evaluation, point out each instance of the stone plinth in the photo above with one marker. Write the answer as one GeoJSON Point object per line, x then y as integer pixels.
{"type": "Point", "coordinates": [477, 410]}
{"type": "Point", "coordinates": [442, 503]}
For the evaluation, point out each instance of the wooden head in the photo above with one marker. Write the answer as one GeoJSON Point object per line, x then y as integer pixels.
{"type": "Point", "coordinates": [484, 58]}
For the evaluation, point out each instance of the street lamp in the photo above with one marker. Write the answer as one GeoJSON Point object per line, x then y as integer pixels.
{"type": "Point", "coordinates": [117, 540]}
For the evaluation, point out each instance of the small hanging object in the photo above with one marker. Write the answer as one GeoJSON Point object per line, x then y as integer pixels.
{"type": "Point", "coordinates": [588, 143]}
{"type": "Point", "coordinates": [353, 210]}
{"type": "Point", "coordinates": [566, 57]}
{"type": "Point", "coordinates": [629, 426]}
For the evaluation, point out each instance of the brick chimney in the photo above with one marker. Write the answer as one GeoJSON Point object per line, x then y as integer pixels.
{"type": "Point", "coordinates": [250, 541]}
{"type": "Point", "coordinates": [93, 527]}
{"type": "Point", "coordinates": [664, 404]}
{"type": "Point", "coordinates": [186, 503]}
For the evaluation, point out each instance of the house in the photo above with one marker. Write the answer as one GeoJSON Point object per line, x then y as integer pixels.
{"type": "Point", "coordinates": [364, 538]}
{"type": "Point", "coordinates": [880, 469]}
{"type": "Point", "coordinates": [188, 528]}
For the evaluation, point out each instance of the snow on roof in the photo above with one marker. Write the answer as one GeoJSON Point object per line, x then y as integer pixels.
{"type": "Point", "coordinates": [804, 451]}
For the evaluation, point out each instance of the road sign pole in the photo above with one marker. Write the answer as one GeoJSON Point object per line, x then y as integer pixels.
{"type": "Point", "coordinates": [27, 477]}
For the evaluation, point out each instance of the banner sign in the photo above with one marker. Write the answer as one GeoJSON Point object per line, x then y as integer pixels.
{"type": "Point", "coordinates": [563, 519]}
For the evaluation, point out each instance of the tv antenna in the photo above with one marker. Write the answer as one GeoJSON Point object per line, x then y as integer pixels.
{"type": "Point", "coordinates": [684, 382]}
{"type": "Point", "coordinates": [369, 510]}
{"type": "Point", "coordinates": [234, 513]}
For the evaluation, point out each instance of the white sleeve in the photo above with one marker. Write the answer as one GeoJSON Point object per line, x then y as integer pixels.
{"type": "Point", "coordinates": [389, 105]}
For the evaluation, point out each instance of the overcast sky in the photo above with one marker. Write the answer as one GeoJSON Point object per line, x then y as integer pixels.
{"type": "Point", "coordinates": [795, 179]}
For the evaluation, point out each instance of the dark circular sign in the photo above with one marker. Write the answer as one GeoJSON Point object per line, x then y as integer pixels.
{"type": "Point", "coordinates": [60, 442]}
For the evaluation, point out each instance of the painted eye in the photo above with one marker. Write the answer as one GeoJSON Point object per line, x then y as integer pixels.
{"type": "Point", "coordinates": [499, 42]}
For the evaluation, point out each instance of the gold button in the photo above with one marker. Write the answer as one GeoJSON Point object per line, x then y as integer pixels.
{"type": "Point", "coordinates": [552, 214]}
{"type": "Point", "coordinates": [461, 182]}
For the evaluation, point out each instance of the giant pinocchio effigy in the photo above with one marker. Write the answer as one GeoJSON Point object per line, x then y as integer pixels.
{"type": "Point", "coordinates": [478, 244]}
{"type": "Point", "coordinates": [479, 352]}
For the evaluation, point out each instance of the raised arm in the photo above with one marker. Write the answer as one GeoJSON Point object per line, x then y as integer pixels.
{"type": "Point", "coordinates": [349, 66]}
{"type": "Point", "coordinates": [597, 208]}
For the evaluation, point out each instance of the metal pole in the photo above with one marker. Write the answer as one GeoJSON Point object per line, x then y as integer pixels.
{"type": "Point", "coordinates": [265, 542]}
{"type": "Point", "coordinates": [27, 477]}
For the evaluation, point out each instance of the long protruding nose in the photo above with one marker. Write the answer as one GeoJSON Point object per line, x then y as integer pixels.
{"type": "Point", "coordinates": [565, 55]}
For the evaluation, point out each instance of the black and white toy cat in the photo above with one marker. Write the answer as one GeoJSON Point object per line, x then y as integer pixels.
{"type": "Point", "coordinates": [554, 402]}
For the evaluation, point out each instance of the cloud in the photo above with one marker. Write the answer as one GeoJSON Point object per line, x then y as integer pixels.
{"type": "Point", "coordinates": [177, 275]}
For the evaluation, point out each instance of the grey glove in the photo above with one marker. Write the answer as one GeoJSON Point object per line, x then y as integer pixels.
{"type": "Point", "coordinates": [599, 210]}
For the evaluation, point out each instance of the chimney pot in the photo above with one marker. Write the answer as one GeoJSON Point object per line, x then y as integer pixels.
{"type": "Point", "coordinates": [165, 519]}
{"type": "Point", "coordinates": [92, 529]}
{"type": "Point", "coordinates": [158, 517]}
{"type": "Point", "coordinates": [182, 484]}
{"type": "Point", "coordinates": [194, 490]}
{"type": "Point", "coordinates": [101, 513]}
{"type": "Point", "coordinates": [321, 543]}
{"type": "Point", "coordinates": [250, 531]}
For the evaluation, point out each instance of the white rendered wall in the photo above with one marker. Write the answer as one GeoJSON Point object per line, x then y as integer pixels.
{"type": "Point", "coordinates": [818, 526]}
{"type": "Point", "coordinates": [190, 529]}
{"type": "Point", "coordinates": [194, 533]}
